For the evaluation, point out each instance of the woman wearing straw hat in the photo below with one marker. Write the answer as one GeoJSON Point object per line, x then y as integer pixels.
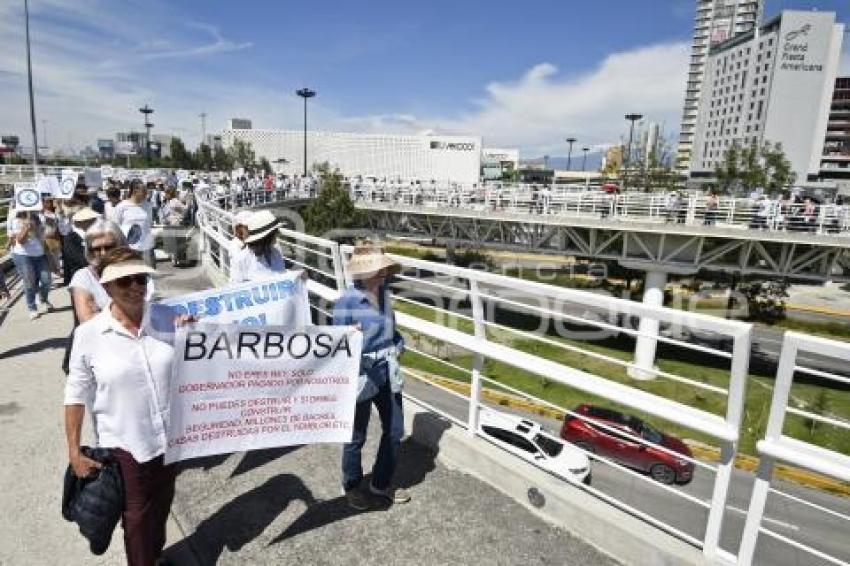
{"type": "Point", "coordinates": [120, 369]}
{"type": "Point", "coordinates": [261, 257]}
{"type": "Point", "coordinates": [366, 304]}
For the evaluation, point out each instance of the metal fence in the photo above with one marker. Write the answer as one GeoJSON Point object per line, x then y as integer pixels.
{"type": "Point", "coordinates": [472, 325]}
{"type": "Point", "coordinates": [778, 446]}
{"type": "Point", "coordinates": [442, 306]}
{"type": "Point", "coordinates": [725, 212]}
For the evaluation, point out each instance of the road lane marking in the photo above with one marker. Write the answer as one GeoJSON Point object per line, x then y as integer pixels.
{"type": "Point", "coordinates": [767, 519]}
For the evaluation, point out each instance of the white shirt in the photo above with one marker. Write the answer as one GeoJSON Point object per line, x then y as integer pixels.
{"type": "Point", "coordinates": [86, 280]}
{"type": "Point", "coordinates": [124, 379]}
{"type": "Point", "coordinates": [109, 210]}
{"type": "Point", "coordinates": [136, 221]}
{"type": "Point", "coordinates": [32, 246]}
{"type": "Point", "coordinates": [246, 266]}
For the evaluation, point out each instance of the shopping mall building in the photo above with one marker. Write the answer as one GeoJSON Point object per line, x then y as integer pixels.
{"type": "Point", "coordinates": [425, 157]}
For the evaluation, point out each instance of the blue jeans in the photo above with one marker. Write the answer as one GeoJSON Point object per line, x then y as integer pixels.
{"type": "Point", "coordinates": [392, 429]}
{"type": "Point", "coordinates": [35, 276]}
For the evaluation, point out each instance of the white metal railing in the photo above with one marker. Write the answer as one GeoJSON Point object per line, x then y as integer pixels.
{"type": "Point", "coordinates": [498, 199]}
{"type": "Point", "coordinates": [471, 296]}
{"type": "Point", "coordinates": [778, 446]}
{"type": "Point", "coordinates": [444, 305]}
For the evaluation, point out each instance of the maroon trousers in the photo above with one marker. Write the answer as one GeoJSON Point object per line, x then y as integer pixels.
{"type": "Point", "coordinates": [148, 492]}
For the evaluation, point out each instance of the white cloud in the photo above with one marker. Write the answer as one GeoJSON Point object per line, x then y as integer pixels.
{"type": "Point", "coordinates": [844, 64]}
{"type": "Point", "coordinates": [542, 107]}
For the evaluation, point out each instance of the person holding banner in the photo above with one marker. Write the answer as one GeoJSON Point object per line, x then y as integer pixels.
{"type": "Point", "coordinates": [261, 257]}
{"type": "Point", "coordinates": [120, 368]}
{"type": "Point", "coordinates": [135, 217]}
{"type": "Point", "coordinates": [366, 305]}
{"type": "Point", "coordinates": [26, 233]}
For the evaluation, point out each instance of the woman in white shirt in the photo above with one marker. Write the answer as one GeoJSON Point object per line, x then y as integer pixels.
{"type": "Point", "coordinates": [87, 294]}
{"type": "Point", "coordinates": [120, 369]}
{"type": "Point", "coordinates": [26, 234]}
{"type": "Point", "coordinates": [261, 257]}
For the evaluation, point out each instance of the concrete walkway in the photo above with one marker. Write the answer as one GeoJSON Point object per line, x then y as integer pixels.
{"type": "Point", "coordinates": [264, 507]}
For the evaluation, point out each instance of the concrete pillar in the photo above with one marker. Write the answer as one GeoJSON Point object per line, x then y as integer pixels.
{"type": "Point", "coordinates": [653, 296]}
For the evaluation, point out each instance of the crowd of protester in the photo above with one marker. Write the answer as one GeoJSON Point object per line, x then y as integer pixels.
{"type": "Point", "coordinates": [101, 243]}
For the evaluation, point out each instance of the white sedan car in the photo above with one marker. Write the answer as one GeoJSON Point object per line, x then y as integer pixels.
{"type": "Point", "coordinates": [529, 441]}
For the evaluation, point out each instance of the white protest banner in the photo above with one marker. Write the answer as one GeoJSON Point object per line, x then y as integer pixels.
{"type": "Point", "coordinates": [67, 184]}
{"type": "Point", "coordinates": [48, 185]}
{"type": "Point", "coordinates": [181, 174]}
{"type": "Point", "coordinates": [106, 171]}
{"type": "Point", "coordinates": [94, 180]}
{"type": "Point", "coordinates": [281, 299]}
{"type": "Point", "coordinates": [235, 388]}
{"type": "Point", "coordinates": [27, 197]}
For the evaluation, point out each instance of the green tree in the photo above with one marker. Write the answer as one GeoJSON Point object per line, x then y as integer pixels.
{"type": "Point", "coordinates": [242, 155]}
{"type": "Point", "coordinates": [180, 156]}
{"type": "Point", "coordinates": [778, 173]}
{"type": "Point", "coordinates": [752, 172]}
{"type": "Point", "coordinates": [203, 157]}
{"type": "Point", "coordinates": [765, 299]}
{"type": "Point", "coordinates": [728, 173]}
{"type": "Point", "coordinates": [221, 159]}
{"type": "Point", "coordinates": [333, 208]}
{"type": "Point", "coordinates": [265, 166]}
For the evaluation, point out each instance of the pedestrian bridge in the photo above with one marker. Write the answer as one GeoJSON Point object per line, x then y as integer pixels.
{"type": "Point", "coordinates": [474, 502]}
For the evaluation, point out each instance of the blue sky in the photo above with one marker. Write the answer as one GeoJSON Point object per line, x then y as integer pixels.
{"type": "Point", "coordinates": [521, 74]}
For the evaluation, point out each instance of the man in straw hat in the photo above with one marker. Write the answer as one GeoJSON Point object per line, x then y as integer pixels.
{"type": "Point", "coordinates": [366, 304]}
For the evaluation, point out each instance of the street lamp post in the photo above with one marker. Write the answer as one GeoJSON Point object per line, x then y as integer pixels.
{"type": "Point", "coordinates": [584, 158]}
{"type": "Point", "coordinates": [628, 158]}
{"type": "Point", "coordinates": [32, 100]}
{"type": "Point", "coordinates": [570, 141]}
{"type": "Point", "coordinates": [147, 111]}
{"type": "Point", "coordinates": [305, 93]}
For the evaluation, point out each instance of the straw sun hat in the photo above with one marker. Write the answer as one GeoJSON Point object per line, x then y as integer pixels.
{"type": "Point", "coordinates": [367, 259]}
{"type": "Point", "coordinates": [260, 225]}
{"type": "Point", "coordinates": [124, 269]}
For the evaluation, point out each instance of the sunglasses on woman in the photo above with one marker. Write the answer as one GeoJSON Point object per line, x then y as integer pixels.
{"type": "Point", "coordinates": [140, 279]}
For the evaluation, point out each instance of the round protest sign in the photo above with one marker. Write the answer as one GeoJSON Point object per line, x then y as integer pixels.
{"type": "Point", "coordinates": [27, 196]}
{"type": "Point", "coordinates": [66, 188]}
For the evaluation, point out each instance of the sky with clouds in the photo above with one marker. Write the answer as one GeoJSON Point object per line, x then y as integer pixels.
{"type": "Point", "coordinates": [520, 74]}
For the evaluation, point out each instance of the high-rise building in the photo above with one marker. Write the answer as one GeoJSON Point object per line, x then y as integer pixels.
{"type": "Point", "coordinates": [773, 84]}
{"type": "Point", "coordinates": [835, 162]}
{"type": "Point", "coordinates": [715, 22]}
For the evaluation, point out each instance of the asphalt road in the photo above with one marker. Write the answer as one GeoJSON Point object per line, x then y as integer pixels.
{"type": "Point", "coordinates": [788, 518]}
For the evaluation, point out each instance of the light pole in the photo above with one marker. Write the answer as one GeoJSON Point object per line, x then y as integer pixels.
{"type": "Point", "coordinates": [570, 141]}
{"type": "Point", "coordinates": [584, 158]}
{"type": "Point", "coordinates": [627, 161]}
{"type": "Point", "coordinates": [32, 100]}
{"type": "Point", "coordinates": [305, 93]}
{"type": "Point", "coordinates": [203, 117]}
{"type": "Point", "coordinates": [147, 111]}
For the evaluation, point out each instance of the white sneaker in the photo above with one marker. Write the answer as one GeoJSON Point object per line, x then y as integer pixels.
{"type": "Point", "coordinates": [46, 307]}
{"type": "Point", "coordinates": [33, 315]}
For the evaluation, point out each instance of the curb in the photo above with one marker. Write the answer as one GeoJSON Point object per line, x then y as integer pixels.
{"type": "Point", "coordinates": [700, 450]}
{"type": "Point", "coordinates": [817, 310]}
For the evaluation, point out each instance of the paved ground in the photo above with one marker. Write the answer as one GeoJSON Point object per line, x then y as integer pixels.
{"type": "Point", "coordinates": [265, 507]}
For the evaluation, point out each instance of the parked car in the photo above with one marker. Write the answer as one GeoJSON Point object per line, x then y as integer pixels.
{"type": "Point", "coordinates": [529, 441]}
{"type": "Point", "coordinates": [662, 466]}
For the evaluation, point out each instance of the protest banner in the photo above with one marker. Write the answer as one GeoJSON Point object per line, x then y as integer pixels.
{"type": "Point", "coordinates": [281, 299]}
{"type": "Point", "coordinates": [67, 184]}
{"type": "Point", "coordinates": [48, 185]}
{"type": "Point", "coordinates": [94, 179]}
{"type": "Point", "coordinates": [106, 171]}
{"type": "Point", "coordinates": [236, 388]}
{"type": "Point", "coordinates": [27, 197]}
